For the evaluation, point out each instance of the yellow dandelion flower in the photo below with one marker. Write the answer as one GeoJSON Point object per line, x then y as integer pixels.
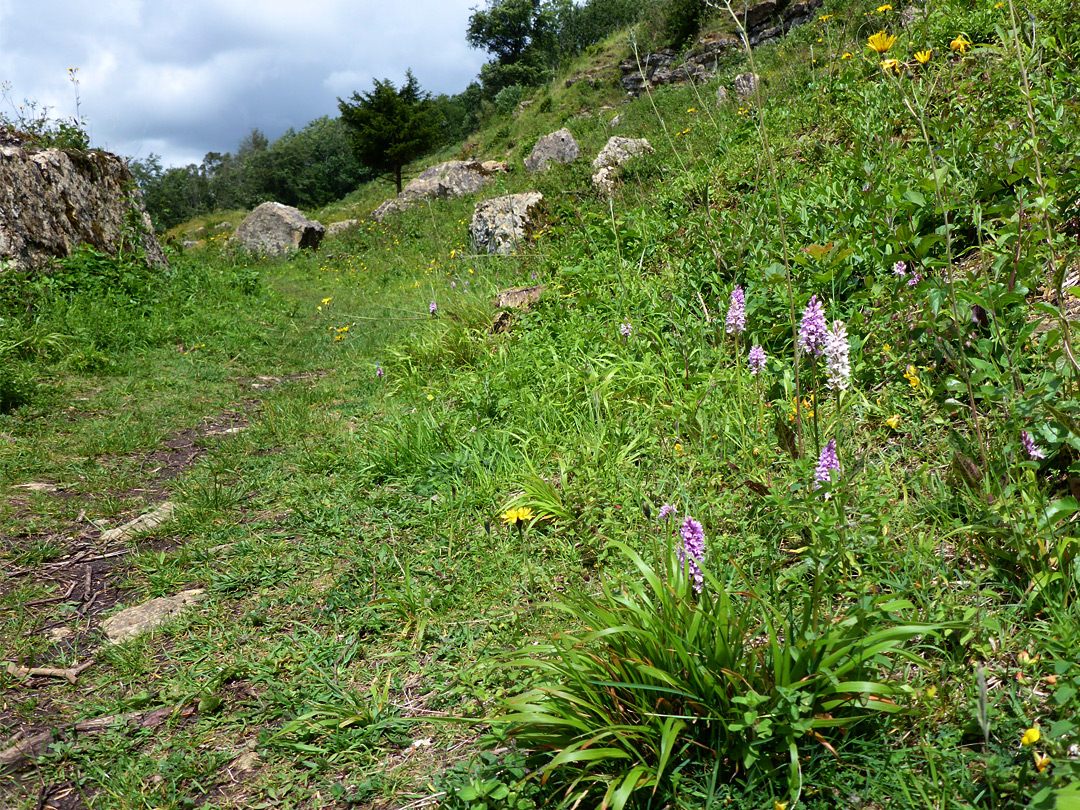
{"type": "Point", "coordinates": [678, 447]}
{"type": "Point", "coordinates": [1031, 736]}
{"type": "Point", "coordinates": [960, 44]}
{"type": "Point", "coordinates": [890, 64]}
{"type": "Point", "coordinates": [845, 56]}
{"type": "Point", "coordinates": [826, 17]}
{"type": "Point", "coordinates": [514, 516]}
{"type": "Point", "coordinates": [885, 9]}
{"type": "Point", "coordinates": [922, 57]}
{"type": "Point", "coordinates": [880, 42]}
{"type": "Point", "coordinates": [430, 397]}
{"type": "Point", "coordinates": [326, 301]}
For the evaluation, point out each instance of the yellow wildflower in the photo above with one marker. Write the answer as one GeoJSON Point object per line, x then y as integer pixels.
{"type": "Point", "coordinates": [1041, 761]}
{"type": "Point", "coordinates": [880, 42]}
{"type": "Point", "coordinates": [887, 348]}
{"type": "Point", "coordinates": [922, 57]}
{"type": "Point", "coordinates": [845, 56]}
{"type": "Point", "coordinates": [430, 397]}
{"type": "Point", "coordinates": [931, 692]}
{"type": "Point", "coordinates": [1031, 736]}
{"type": "Point", "coordinates": [692, 110]}
{"type": "Point", "coordinates": [678, 448]}
{"type": "Point", "coordinates": [890, 64]}
{"type": "Point", "coordinates": [885, 9]}
{"type": "Point", "coordinates": [912, 376]}
{"type": "Point", "coordinates": [326, 301]}
{"type": "Point", "coordinates": [961, 44]}
{"type": "Point", "coordinates": [826, 17]}
{"type": "Point", "coordinates": [514, 516]}
{"type": "Point", "coordinates": [893, 421]}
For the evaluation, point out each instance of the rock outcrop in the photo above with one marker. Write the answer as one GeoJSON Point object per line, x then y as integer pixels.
{"type": "Point", "coordinates": [614, 154]}
{"type": "Point", "coordinates": [53, 200]}
{"type": "Point", "coordinates": [276, 229]}
{"type": "Point", "coordinates": [763, 21]}
{"type": "Point", "coordinates": [454, 178]}
{"type": "Point", "coordinates": [558, 147]}
{"type": "Point", "coordinates": [502, 225]}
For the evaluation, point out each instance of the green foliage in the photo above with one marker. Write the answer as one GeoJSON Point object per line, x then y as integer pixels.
{"type": "Point", "coordinates": [391, 127]}
{"type": "Point", "coordinates": [661, 679]}
{"type": "Point", "coordinates": [307, 169]}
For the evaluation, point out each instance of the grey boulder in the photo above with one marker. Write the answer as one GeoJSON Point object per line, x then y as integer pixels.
{"type": "Point", "coordinates": [276, 229]}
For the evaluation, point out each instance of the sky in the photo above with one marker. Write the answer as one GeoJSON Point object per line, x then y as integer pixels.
{"type": "Point", "coordinates": [180, 78]}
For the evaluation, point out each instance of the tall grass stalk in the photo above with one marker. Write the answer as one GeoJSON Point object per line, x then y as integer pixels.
{"type": "Point", "coordinates": [775, 182]}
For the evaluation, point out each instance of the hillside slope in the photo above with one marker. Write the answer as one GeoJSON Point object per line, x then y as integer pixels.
{"type": "Point", "coordinates": [768, 501]}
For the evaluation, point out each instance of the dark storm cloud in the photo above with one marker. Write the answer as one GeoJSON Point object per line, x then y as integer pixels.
{"type": "Point", "coordinates": [184, 78]}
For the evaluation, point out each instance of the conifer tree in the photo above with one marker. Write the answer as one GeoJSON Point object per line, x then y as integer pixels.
{"type": "Point", "coordinates": [391, 127]}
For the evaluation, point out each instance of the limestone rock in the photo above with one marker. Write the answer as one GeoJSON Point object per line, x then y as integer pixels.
{"type": "Point", "coordinates": [747, 84]}
{"type": "Point", "coordinates": [334, 228]}
{"type": "Point", "coordinates": [137, 620]}
{"type": "Point", "coordinates": [152, 519]}
{"type": "Point", "coordinates": [53, 200]}
{"type": "Point", "coordinates": [454, 178]}
{"type": "Point", "coordinates": [722, 96]}
{"type": "Point", "coordinates": [614, 154]}
{"type": "Point", "coordinates": [558, 147]}
{"type": "Point", "coordinates": [519, 297]}
{"type": "Point", "coordinates": [763, 20]}
{"type": "Point", "coordinates": [619, 150]}
{"type": "Point", "coordinates": [276, 229]}
{"type": "Point", "coordinates": [501, 225]}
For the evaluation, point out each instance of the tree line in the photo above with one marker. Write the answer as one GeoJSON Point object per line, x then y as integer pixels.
{"type": "Point", "coordinates": [381, 131]}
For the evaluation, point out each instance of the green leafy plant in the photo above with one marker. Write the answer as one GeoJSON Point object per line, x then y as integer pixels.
{"type": "Point", "coordinates": [659, 678]}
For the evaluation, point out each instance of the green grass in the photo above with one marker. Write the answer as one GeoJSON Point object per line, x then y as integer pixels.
{"type": "Point", "coordinates": [373, 632]}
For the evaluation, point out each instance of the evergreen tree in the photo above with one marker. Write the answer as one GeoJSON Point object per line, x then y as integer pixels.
{"type": "Point", "coordinates": [392, 127]}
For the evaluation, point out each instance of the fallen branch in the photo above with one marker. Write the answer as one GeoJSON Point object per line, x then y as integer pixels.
{"type": "Point", "coordinates": [19, 750]}
{"type": "Point", "coordinates": [71, 673]}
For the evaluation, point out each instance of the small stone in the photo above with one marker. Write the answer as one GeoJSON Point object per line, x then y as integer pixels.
{"type": "Point", "coordinates": [519, 297]}
{"type": "Point", "coordinates": [747, 84]}
{"type": "Point", "coordinates": [134, 621]}
{"type": "Point", "coordinates": [155, 517]}
{"type": "Point", "coordinates": [55, 634]}
{"type": "Point", "coordinates": [722, 96]}
{"type": "Point", "coordinates": [37, 486]}
{"type": "Point", "coordinates": [334, 228]}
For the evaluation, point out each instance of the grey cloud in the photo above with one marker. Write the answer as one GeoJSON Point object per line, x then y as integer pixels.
{"type": "Point", "coordinates": [185, 78]}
